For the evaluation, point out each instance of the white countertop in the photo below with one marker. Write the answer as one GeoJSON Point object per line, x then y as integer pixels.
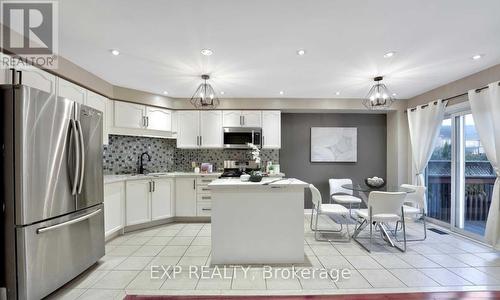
{"type": "Point", "coordinates": [124, 177]}
{"type": "Point", "coordinates": [266, 181]}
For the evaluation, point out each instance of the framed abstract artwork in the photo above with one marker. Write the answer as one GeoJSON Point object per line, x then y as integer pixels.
{"type": "Point", "coordinates": [334, 144]}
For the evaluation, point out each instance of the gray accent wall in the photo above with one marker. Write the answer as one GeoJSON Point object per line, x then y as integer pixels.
{"type": "Point", "coordinates": [295, 153]}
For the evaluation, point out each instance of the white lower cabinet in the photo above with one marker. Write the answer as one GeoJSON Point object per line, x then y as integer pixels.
{"type": "Point", "coordinates": [149, 200]}
{"type": "Point", "coordinates": [161, 198]}
{"type": "Point", "coordinates": [185, 197]}
{"type": "Point", "coordinates": [138, 202]}
{"type": "Point", "coordinates": [114, 204]}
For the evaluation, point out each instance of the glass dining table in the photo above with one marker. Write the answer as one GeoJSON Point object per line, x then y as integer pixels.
{"type": "Point", "coordinates": [364, 192]}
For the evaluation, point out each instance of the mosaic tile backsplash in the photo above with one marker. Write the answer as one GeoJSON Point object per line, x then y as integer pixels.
{"type": "Point", "coordinates": [121, 155]}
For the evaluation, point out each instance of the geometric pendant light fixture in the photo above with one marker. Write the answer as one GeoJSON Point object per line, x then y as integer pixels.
{"type": "Point", "coordinates": [379, 96]}
{"type": "Point", "coordinates": [205, 97]}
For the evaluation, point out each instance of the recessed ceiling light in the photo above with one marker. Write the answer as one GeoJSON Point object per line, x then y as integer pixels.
{"type": "Point", "coordinates": [301, 52]}
{"type": "Point", "coordinates": [207, 52]}
{"type": "Point", "coordinates": [337, 93]}
{"type": "Point", "coordinates": [222, 92]}
{"type": "Point", "coordinates": [477, 56]}
{"type": "Point", "coordinates": [165, 93]}
{"type": "Point", "coordinates": [389, 54]}
{"type": "Point", "coordinates": [394, 94]}
{"type": "Point", "coordinates": [115, 52]}
{"type": "Point", "coordinates": [282, 92]}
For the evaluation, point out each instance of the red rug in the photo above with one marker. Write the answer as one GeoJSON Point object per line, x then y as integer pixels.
{"type": "Point", "coordinates": [410, 296]}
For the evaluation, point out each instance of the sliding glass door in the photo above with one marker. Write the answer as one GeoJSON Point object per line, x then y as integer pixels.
{"type": "Point", "coordinates": [459, 178]}
{"type": "Point", "coordinates": [475, 178]}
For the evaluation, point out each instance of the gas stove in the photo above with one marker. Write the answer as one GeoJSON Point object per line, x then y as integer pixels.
{"type": "Point", "coordinates": [234, 168]}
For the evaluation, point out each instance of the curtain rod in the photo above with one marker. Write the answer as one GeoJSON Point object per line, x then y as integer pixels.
{"type": "Point", "coordinates": [452, 97]}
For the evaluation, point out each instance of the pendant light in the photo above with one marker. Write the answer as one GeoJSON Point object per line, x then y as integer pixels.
{"type": "Point", "coordinates": [379, 96]}
{"type": "Point", "coordinates": [205, 96]}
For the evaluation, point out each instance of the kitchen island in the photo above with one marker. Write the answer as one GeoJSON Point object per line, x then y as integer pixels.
{"type": "Point", "coordinates": [257, 223]}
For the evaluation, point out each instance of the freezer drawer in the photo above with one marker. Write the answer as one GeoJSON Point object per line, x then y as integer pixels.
{"type": "Point", "coordinates": [52, 253]}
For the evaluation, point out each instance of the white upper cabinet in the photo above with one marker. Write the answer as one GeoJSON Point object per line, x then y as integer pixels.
{"type": "Point", "coordinates": [158, 119]}
{"type": "Point", "coordinates": [129, 115]}
{"type": "Point", "coordinates": [242, 118]}
{"type": "Point", "coordinates": [211, 129]}
{"type": "Point", "coordinates": [232, 118]}
{"type": "Point", "coordinates": [174, 122]}
{"type": "Point", "coordinates": [71, 91]}
{"type": "Point", "coordinates": [162, 198]}
{"type": "Point", "coordinates": [271, 129]}
{"type": "Point", "coordinates": [38, 79]}
{"type": "Point", "coordinates": [251, 118]}
{"type": "Point", "coordinates": [100, 103]}
{"type": "Point", "coordinates": [189, 125]}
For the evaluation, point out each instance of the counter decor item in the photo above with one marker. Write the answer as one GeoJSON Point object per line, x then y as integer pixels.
{"type": "Point", "coordinates": [206, 168]}
{"type": "Point", "coordinates": [244, 177]}
{"type": "Point", "coordinates": [255, 152]}
{"type": "Point", "coordinates": [256, 176]}
{"type": "Point", "coordinates": [375, 182]}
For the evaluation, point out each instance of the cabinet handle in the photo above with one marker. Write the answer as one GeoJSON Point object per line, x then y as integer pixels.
{"type": "Point", "coordinates": [206, 197]}
{"type": "Point", "coordinates": [206, 209]}
{"type": "Point", "coordinates": [263, 141]}
{"type": "Point", "coordinates": [243, 120]}
{"type": "Point", "coordinates": [143, 121]}
{"type": "Point", "coordinates": [147, 121]}
{"type": "Point", "coordinates": [201, 140]}
{"type": "Point", "coordinates": [194, 184]}
{"type": "Point", "coordinates": [240, 121]}
{"type": "Point", "coordinates": [150, 187]}
{"type": "Point", "coordinates": [20, 77]}
{"type": "Point", "coordinates": [13, 75]}
{"type": "Point", "coordinates": [154, 186]}
{"type": "Point", "coordinates": [205, 189]}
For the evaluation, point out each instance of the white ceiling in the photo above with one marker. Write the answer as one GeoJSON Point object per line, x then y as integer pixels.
{"type": "Point", "coordinates": [255, 44]}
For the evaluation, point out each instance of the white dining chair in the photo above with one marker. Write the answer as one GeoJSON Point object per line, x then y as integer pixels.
{"type": "Point", "coordinates": [343, 196]}
{"type": "Point", "coordinates": [334, 211]}
{"type": "Point", "coordinates": [414, 207]}
{"type": "Point", "coordinates": [383, 208]}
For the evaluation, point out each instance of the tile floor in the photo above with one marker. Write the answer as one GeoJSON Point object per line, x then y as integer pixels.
{"type": "Point", "coordinates": [440, 263]}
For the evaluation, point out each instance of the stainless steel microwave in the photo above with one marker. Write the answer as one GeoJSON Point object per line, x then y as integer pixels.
{"type": "Point", "coordinates": [239, 137]}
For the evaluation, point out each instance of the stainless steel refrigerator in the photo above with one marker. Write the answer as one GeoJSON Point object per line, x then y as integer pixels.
{"type": "Point", "coordinates": [52, 191]}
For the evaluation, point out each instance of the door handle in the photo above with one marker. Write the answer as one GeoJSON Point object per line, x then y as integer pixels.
{"type": "Point", "coordinates": [74, 136]}
{"type": "Point", "coordinates": [67, 223]}
{"type": "Point", "coordinates": [82, 156]}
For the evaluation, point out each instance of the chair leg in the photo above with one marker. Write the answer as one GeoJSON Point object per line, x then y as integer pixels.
{"type": "Point", "coordinates": [413, 240]}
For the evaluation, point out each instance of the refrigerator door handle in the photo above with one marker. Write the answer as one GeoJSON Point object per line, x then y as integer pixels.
{"type": "Point", "coordinates": [74, 137]}
{"type": "Point", "coordinates": [73, 221]}
{"type": "Point", "coordinates": [82, 156]}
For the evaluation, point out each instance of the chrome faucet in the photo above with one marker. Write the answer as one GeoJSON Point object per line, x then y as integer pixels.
{"type": "Point", "coordinates": [141, 165]}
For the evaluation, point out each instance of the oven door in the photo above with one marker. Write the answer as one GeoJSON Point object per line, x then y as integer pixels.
{"type": "Point", "coordinates": [238, 138]}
